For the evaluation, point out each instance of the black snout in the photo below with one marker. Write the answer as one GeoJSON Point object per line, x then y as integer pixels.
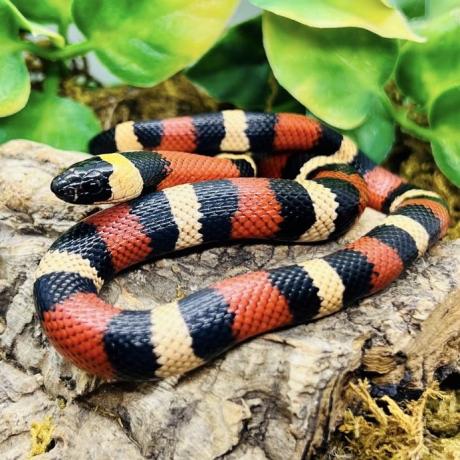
{"type": "Point", "coordinates": [86, 182]}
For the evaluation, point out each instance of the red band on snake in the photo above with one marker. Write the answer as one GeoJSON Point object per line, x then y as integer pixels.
{"type": "Point", "coordinates": [319, 184]}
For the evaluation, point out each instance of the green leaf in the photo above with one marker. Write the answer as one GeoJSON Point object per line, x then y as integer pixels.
{"type": "Point", "coordinates": [376, 135]}
{"type": "Point", "coordinates": [145, 42]}
{"type": "Point", "coordinates": [336, 73]}
{"type": "Point", "coordinates": [14, 81]}
{"type": "Point", "coordinates": [440, 7]}
{"type": "Point", "coordinates": [374, 15]}
{"type": "Point", "coordinates": [445, 124]}
{"type": "Point", "coordinates": [426, 70]}
{"type": "Point", "coordinates": [46, 11]}
{"type": "Point", "coordinates": [411, 8]}
{"type": "Point", "coordinates": [282, 101]}
{"type": "Point", "coordinates": [236, 70]}
{"type": "Point", "coordinates": [14, 76]}
{"type": "Point", "coordinates": [60, 122]}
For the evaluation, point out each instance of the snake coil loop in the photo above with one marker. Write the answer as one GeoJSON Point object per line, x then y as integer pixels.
{"type": "Point", "coordinates": [314, 185]}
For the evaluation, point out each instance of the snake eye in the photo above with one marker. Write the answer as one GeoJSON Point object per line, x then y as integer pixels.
{"type": "Point", "coordinates": [86, 182]}
{"type": "Point", "coordinates": [93, 183]}
{"type": "Point", "coordinates": [93, 187]}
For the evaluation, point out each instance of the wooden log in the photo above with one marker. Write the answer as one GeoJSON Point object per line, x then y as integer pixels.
{"type": "Point", "coordinates": [276, 397]}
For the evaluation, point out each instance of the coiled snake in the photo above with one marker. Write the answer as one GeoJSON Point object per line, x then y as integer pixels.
{"type": "Point", "coordinates": [315, 184]}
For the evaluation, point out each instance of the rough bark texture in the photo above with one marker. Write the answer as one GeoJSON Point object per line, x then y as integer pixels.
{"type": "Point", "coordinates": [275, 397]}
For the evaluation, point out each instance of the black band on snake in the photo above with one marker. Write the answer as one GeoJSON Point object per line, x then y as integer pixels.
{"type": "Point", "coordinates": [314, 184]}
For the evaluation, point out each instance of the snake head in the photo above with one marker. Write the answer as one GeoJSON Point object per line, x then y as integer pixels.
{"type": "Point", "coordinates": [85, 182]}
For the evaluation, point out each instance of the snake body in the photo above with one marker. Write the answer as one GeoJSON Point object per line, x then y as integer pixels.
{"type": "Point", "coordinates": [317, 184]}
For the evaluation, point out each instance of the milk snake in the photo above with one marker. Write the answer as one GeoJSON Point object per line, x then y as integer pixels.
{"type": "Point", "coordinates": [315, 184]}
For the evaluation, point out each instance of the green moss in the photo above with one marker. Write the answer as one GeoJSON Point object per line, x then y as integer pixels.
{"type": "Point", "coordinates": [428, 428]}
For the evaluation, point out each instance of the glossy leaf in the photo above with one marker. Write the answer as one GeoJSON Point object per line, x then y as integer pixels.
{"type": "Point", "coordinates": [145, 42]}
{"type": "Point", "coordinates": [46, 11]}
{"type": "Point", "coordinates": [375, 15]}
{"type": "Point", "coordinates": [411, 8]}
{"type": "Point", "coordinates": [60, 122]}
{"type": "Point", "coordinates": [336, 73]}
{"type": "Point", "coordinates": [445, 123]}
{"type": "Point", "coordinates": [236, 70]}
{"type": "Point", "coordinates": [376, 135]}
{"type": "Point", "coordinates": [14, 76]}
{"type": "Point", "coordinates": [426, 70]}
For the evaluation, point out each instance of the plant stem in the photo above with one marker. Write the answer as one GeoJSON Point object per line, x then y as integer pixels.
{"type": "Point", "coordinates": [21, 19]}
{"type": "Point", "coordinates": [35, 28]}
{"type": "Point", "coordinates": [401, 116]}
{"type": "Point", "coordinates": [69, 52]}
{"type": "Point", "coordinates": [52, 80]}
{"type": "Point", "coordinates": [63, 27]}
{"type": "Point", "coordinates": [73, 50]}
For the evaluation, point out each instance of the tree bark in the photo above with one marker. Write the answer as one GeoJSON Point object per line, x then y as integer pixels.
{"type": "Point", "coordinates": [276, 397]}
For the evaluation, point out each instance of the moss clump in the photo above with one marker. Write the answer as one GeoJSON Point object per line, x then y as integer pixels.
{"type": "Point", "coordinates": [428, 428]}
{"type": "Point", "coordinates": [42, 436]}
{"type": "Point", "coordinates": [442, 420]}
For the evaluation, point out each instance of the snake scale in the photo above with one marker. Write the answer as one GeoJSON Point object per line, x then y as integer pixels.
{"type": "Point", "coordinates": [314, 184]}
